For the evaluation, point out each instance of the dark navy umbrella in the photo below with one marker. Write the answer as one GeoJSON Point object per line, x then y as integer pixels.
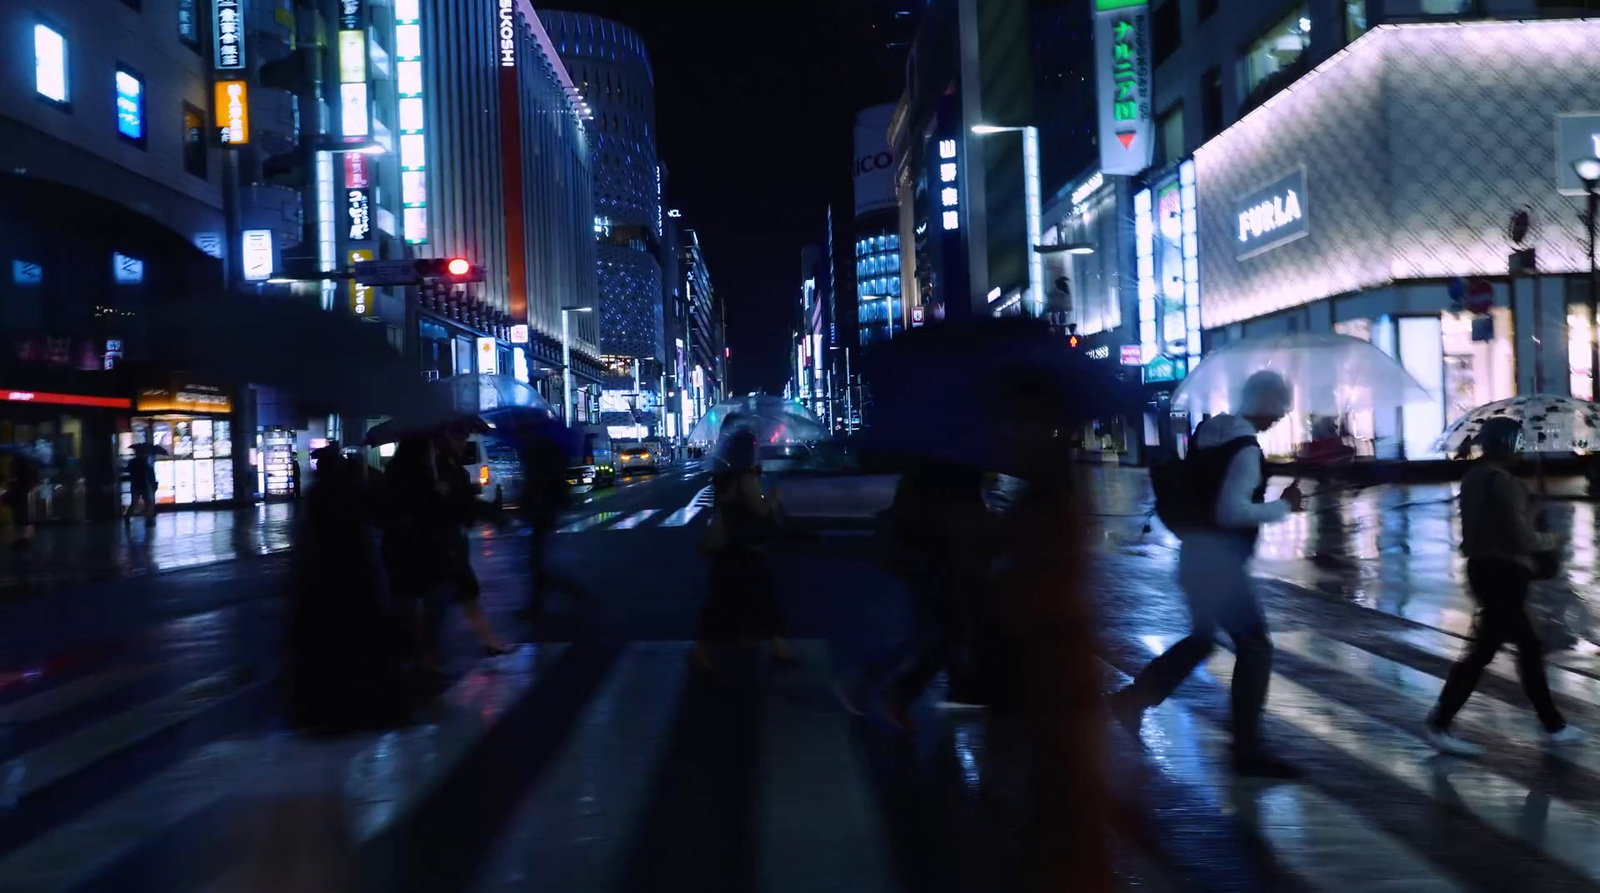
{"type": "Point", "coordinates": [992, 393]}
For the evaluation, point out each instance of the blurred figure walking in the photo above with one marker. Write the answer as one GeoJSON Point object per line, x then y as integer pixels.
{"type": "Point", "coordinates": [1225, 484]}
{"type": "Point", "coordinates": [1504, 548]}
{"type": "Point", "coordinates": [743, 602]}
{"type": "Point", "coordinates": [938, 537]}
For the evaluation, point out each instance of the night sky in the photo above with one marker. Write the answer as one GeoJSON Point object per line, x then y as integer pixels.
{"type": "Point", "coordinates": [754, 107]}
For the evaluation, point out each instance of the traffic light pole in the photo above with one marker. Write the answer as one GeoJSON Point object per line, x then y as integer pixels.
{"type": "Point", "coordinates": [566, 367]}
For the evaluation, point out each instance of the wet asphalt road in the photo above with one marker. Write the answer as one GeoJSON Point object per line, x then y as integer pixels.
{"type": "Point", "coordinates": [602, 765]}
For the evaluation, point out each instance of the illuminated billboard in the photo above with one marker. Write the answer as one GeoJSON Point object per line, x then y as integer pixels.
{"type": "Point", "coordinates": [232, 103]}
{"type": "Point", "coordinates": [1401, 157]}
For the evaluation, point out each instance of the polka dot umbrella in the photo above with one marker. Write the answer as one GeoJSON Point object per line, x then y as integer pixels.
{"type": "Point", "coordinates": [1550, 424]}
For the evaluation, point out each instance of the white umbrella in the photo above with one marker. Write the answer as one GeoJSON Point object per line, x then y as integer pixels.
{"type": "Point", "coordinates": [1331, 374]}
{"type": "Point", "coordinates": [1550, 424]}
{"type": "Point", "coordinates": [773, 419]}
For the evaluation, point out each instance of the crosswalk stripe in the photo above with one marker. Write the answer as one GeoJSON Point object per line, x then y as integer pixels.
{"type": "Point", "coordinates": [379, 777]}
{"type": "Point", "coordinates": [69, 857]}
{"type": "Point", "coordinates": [815, 809]}
{"type": "Point", "coordinates": [597, 788]}
{"type": "Point", "coordinates": [1577, 686]}
{"type": "Point", "coordinates": [635, 519]}
{"type": "Point", "coordinates": [50, 763]}
{"type": "Point", "coordinates": [72, 694]}
{"type": "Point", "coordinates": [683, 516]}
{"type": "Point", "coordinates": [1310, 832]}
{"type": "Point", "coordinates": [1505, 721]}
{"type": "Point", "coordinates": [397, 771]}
{"type": "Point", "coordinates": [1496, 801]}
{"type": "Point", "coordinates": [590, 522]}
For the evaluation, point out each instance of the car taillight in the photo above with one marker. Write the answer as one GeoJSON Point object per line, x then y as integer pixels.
{"type": "Point", "coordinates": [483, 475]}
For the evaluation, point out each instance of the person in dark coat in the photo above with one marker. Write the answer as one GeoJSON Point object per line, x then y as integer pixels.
{"type": "Point", "coordinates": [348, 660]}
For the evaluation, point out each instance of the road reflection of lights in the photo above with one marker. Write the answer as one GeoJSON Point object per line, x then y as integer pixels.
{"type": "Point", "coordinates": [967, 754]}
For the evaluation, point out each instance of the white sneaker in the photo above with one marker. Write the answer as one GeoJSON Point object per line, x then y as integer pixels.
{"type": "Point", "coordinates": [1567, 737]}
{"type": "Point", "coordinates": [1448, 744]}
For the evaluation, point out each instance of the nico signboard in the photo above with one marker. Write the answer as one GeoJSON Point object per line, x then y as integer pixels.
{"type": "Point", "coordinates": [1271, 216]}
{"type": "Point", "coordinates": [873, 173]}
{"type": "Point", "coordinates": [1122, 79]}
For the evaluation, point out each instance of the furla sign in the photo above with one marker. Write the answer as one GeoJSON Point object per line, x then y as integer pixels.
{"type": "Point", "coordinates": [1272, 215]}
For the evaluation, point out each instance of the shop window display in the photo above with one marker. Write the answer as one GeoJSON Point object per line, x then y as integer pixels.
{"type": "Point", "coordinates": [192, 460]}
{"type": "Point", "coordinates": [1579, 355]}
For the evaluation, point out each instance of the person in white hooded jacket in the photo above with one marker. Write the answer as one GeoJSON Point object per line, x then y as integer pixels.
{"type": "Point", "coordinates": [1229, 470]}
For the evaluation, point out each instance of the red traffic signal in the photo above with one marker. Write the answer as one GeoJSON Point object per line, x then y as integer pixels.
{"type": "Point", "coordinates": [449, 269]}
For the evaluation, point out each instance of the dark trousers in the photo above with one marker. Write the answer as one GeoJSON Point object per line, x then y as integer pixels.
{"type": "Point", "coordinates": [1501, 590]}
{"type": "Point", "coordinates": [1221, 596]}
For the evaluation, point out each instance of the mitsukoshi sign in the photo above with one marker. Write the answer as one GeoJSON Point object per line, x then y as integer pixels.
{"type": "Point", "coordinates": [1122, 79]}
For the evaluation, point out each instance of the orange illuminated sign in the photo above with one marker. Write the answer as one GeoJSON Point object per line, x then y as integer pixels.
{"type": "Point", "coordinates": [233, 112]}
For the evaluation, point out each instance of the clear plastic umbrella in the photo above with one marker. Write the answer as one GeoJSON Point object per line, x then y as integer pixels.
{"type": "Point", "coordinates": [1331, 374]}
{"type": "Point", "coordinates": [1550, 424]}
{"type": "Point", "coordinates": [774, 420]}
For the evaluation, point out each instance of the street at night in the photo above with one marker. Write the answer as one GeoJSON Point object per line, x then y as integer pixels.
{"type": "Point", "coordinates": [144, 736]}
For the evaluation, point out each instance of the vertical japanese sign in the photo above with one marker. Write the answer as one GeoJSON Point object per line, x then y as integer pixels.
{"type": "Point", "coordinates": [227, 19]}
{"type": "Point", "coordinates": [1122, 72]}
{"type": "Point", "coordinates": [360, 295]}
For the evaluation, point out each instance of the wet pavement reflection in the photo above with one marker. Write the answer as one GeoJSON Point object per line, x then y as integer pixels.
{"type": "Point", "coordinates": [66, 554]}
{"type": "Point", "coordinates": [1393, 548]}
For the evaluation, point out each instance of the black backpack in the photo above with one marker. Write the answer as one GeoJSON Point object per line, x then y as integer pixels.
{"type": "Point", "coordinates": [1186, 489]}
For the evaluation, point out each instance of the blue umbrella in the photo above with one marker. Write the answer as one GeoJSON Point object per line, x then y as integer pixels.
{"type": "Point", "coordinates": [993, 393]}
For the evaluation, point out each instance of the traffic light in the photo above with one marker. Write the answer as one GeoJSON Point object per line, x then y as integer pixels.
{"type": "Point", "coordinates": [1072, 341]}
{"type": "Point", "coordinates": [450, 270]}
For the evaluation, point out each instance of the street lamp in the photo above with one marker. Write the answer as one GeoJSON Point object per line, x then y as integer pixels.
{"type": "Point", "coordinates": [1031, 199]}
{"type": "Point", "coordinates": [1588, 170]}
{"type": "Point", "coordinates": [566, 360]}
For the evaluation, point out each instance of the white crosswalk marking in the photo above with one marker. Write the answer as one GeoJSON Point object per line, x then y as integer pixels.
{"type": "Point", "coordinates": [1311, 833]}
{"type": "Point", "coordinates": [635, 519]}
{"type": "Point", "coordinates": [50, 763]}
{"type": "Point", "coordinates": [682, 517]}
{"type": "Point", "coordinates": [590, 522]}
{"type": "Point", "coordinates": [597, 788]}
{"type": "Point", "coordinates": [1496, 801]}
{"type": "Point", "coordinates": [73, 694]}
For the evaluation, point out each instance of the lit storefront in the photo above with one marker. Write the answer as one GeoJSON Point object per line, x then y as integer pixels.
{"type": "Point", "coordinates": [188, 427]}
{"type": "Point", "coordinates": [61, 432]}
{"type": "Point", "coordinates": [1374, 200]}
{"type": "Point", "coordinates": [1084, 249]}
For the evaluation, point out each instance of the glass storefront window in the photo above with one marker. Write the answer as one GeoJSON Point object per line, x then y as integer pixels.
{"type": "Point", "coordinates": [1477, 372]}
{"type": "Point", "coordinates": [1579, 353]}
{"type": "Point", "coordinates": [1278, 48]}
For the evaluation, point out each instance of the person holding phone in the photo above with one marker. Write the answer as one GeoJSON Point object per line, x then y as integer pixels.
{"type": "Point", "coordinates": [1229, 474]}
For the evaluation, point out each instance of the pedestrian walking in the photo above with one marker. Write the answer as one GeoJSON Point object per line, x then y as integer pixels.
{"type": "Point", "coordinates": [141, 487]}
{"type": "Point", "coordinates": [743, 602]}
{"type": "Point", "coordinates": [937, 536]}
{"type": "Point", "coordinates": [1219, 490]}
{"type": "Point", "coordinates": [545, 494]}
{"type": "Point", "coordinates": [1503, 546]}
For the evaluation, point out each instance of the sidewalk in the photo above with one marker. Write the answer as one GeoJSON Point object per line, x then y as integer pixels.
{"type": "Point", "coordinates": [70, 554]}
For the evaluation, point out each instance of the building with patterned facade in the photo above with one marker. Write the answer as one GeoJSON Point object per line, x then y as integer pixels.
{"type": "Point", "coordinates": [1375, 198]}
{"type": "Point", "coordinates": [611, 69]}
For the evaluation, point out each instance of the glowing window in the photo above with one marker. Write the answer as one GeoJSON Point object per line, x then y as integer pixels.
{"type": "Point", "coordinates": [50, 64]}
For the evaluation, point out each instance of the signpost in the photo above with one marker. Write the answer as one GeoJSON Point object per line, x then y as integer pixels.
{"type": "Point", "coordinates": [1123, 81]}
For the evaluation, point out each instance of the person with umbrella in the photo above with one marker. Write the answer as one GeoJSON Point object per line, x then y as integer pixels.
{"type": "Point", "coordinates": [1227, 482]}
{"type": "Point", "coordinates": [1501, 542]}
{"type": "Point", "coordinates": [142, 484]}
